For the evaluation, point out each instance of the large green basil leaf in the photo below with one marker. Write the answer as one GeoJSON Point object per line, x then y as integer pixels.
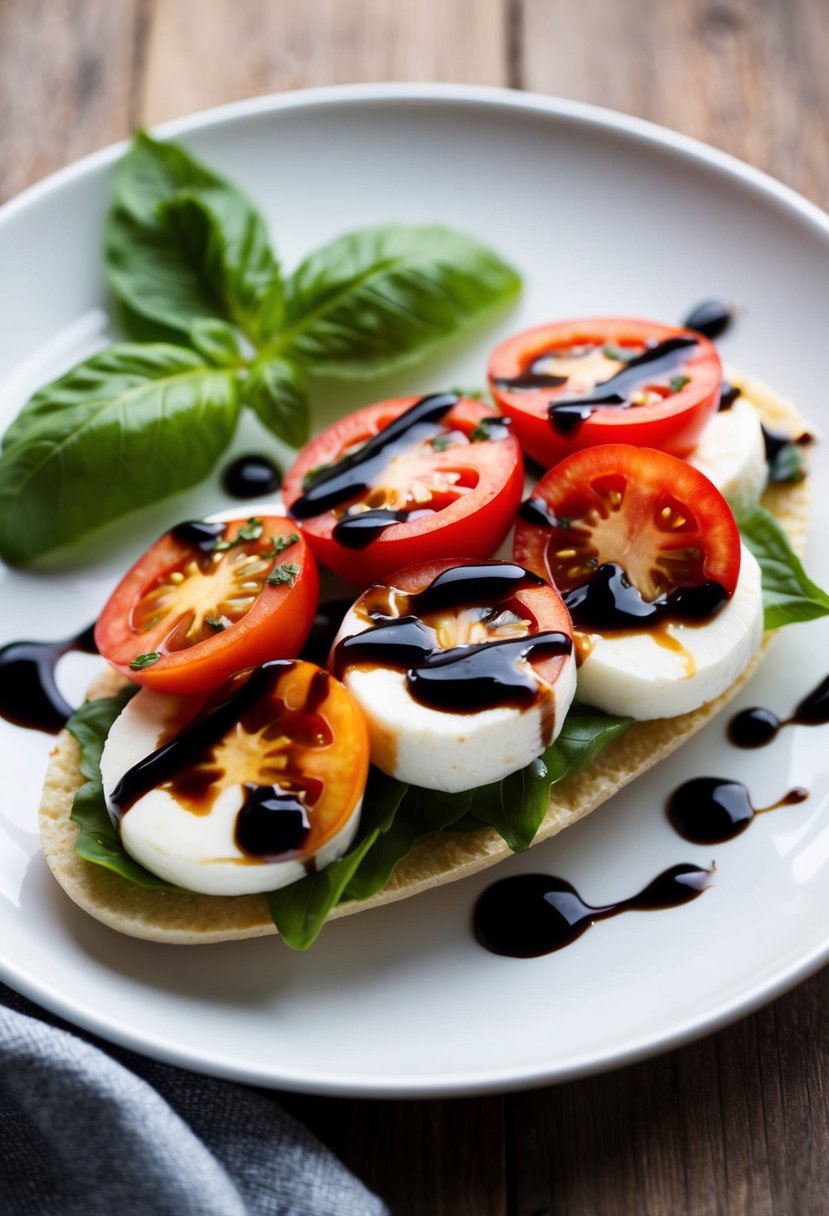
{"type": "Point", "coordinates": [789, 594]}
{"type": "Point", "coordinates": [299, 911]}
{"type": "Point", "coordinates": [516, 805]}
{"type": "Point", "coordinates": [129, 426]}
{"type": "Point", "coordinates": [181, 243]}
{"type": "Point", "coordinates": [275, 390]}
{"type": "Point", "coordinates": [98, 840]}
{"type": "Point", "coordinates": [378, 299]}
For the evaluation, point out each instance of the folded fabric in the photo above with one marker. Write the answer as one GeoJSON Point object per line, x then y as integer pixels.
{"type": "Point", "coordinates": [87, 1128]}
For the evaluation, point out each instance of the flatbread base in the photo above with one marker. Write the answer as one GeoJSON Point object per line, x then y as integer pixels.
{"type": "Point", "coordinates": [182, 918]}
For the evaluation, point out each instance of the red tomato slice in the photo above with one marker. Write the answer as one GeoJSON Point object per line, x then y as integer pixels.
{"type": "Point", "coordinates": [657, 518]}
{"type": "Point", "coordinates": [576, 384]}
{"type": "Point", "coordinates": [404, 481]}
{"type": "Point", "coordinates": [208, 600]}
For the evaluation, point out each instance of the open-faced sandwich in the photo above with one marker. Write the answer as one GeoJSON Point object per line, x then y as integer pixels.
{"type": "Point", "coordinates": [256, 762]}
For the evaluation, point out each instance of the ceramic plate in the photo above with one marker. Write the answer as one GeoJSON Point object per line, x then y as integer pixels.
{"type": "Point", "coordinates": [603, 214]}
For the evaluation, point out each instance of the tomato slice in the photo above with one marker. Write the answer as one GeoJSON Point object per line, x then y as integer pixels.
{"type": "Point", "coordinates": [208, 600]}
{"type": "Point", "coordinates": [618, 514]}
{"type": "Point", "coordinates": [404, 481]}
{"type": "Point", "coordinates": [576, 384]}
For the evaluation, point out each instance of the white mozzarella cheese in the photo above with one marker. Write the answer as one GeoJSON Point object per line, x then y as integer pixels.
{"type": "Point", "coordinates": [676, 667]}
{"type": "Point", "coordinates": [451, 751]}
{"type": "Point", "coordinates": [195, 851]}
{"type": "Point", "coordinates": [732, 454]}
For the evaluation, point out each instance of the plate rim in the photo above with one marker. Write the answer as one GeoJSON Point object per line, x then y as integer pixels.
{"type": "Point", "coordinates": [505, 1078]}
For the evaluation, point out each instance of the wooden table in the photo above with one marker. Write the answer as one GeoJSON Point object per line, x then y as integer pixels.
{"type": "Point", "coordinates": [737, 1122]}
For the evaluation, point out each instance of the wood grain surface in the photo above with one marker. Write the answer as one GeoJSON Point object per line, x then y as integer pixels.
{"type": "Point", "coordinates": [738, 1122]}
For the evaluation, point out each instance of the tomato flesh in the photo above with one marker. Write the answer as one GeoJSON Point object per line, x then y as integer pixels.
{"type": "Point", "coordinates": [659, 519]}
{"type": "Point", "coordinates": [191, 612]}
{"type": "Point", "coordinates": [377, 491]}
{"type": "Point", "coordinates": [578, 384]}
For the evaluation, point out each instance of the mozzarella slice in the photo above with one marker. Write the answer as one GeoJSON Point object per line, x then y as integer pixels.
{"type": "Point", "coordinates": [675, 667]}
{"type": "Point", "coordinates": [451, 751]}
{"type": "Point", "coordinates": [732, 454]}
{"type": "Point", "coordinates": [192, 850]}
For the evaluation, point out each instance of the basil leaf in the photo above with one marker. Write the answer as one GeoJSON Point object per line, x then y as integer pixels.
{"type": "Point", "coordinates": [276, 392]}
{"type": "Point", "coordinates": [299, 911]}
{"type": "Point", "coordinates": [129, 426]}
{"type": "Point", "coordinates": [217, 341]}
{"type": "Point", "coordinates": [383, 297]}
{"type": "Point", "coordinates": [789, 595]}
{"type": "Point", "coordinates": [420, 813]}
{"type": "Point", "coordinates": [98, 840]}
{"type": "Point", "coordinates": [181, 242]}
{"type": "Point", "coordinates": [516, 805]}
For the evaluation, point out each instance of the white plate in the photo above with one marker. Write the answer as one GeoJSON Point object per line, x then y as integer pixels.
{"type": "Point", "coordinates": [603, 214]}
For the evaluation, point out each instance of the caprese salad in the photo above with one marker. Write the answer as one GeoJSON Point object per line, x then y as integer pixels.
{"type": "Point", "coordinates": [241, 767]}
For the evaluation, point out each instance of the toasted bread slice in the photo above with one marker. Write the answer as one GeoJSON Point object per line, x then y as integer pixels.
{"type": "Point", "coordinates": [189, 918]}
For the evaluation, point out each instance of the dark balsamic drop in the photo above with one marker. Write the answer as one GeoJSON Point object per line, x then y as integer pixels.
{"type": "Point", "coordinates": [535, 511]}
{"type": "Point", "coordinates": [29, 695]}
{"type": "Point", "coordinates": [713, 810]}
{"type": "Point", "coordinates": [711, 318]}
{"type": "Point", "coordinates": [534, 914]}
{"type": "Point", "coordinates": [357, 531]}
{"type": "Point", "coordinates": [728, 395]}
{"type": "Point", "coordinates": [755, 727]}
{"type": "Point", "coordinates": [250, 477]}
{"type": "Point", "coordinates": [610, 601]}
{"type": "Point", "coordinates": [199, 533]}
{"type": "Point", "coordinates": [270, 822]}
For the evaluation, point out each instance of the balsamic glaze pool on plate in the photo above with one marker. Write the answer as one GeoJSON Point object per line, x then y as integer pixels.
{"type": "Point", "coordinates": [29, 695]}
{"type": "Point", "coordinates": [713, 810]}
{"type": "Point", "coordinates": [528, 915]}
{"type": "Point", "coordinates": [755, 727]}
{"type": "Point", "coordinates": [251, 476]}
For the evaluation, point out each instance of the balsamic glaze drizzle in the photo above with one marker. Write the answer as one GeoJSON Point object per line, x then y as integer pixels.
{"type": "Point", "coordinates": [533, 914]}
{"type": "Point", "coordinates": [711, 318]}
{"type": "Point", "coordinates": [270, 822]}
{"type": "Point", "coordinates": [610, 601]}
{"type": "Point", "coordinates": [755, 727]}
{"type": "Point", "coordinates": [250, 476]}
{"type": "Point", "coordinates": [567, 413]}
{"type": "Point", "coordinates": [29, 695]}
{"type": "Point", "coordinates": [713, 810]}
{"type": "Point", "coordinates": [205, 730]}
{"type": "Point", "coordinates": [462, 679]}
{"type": "Point", "coordinates": [354, 474]}
{"type": "Point", "coordinates": [199, 534]}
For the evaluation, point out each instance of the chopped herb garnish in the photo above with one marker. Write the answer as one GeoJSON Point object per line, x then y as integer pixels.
{"type": "Point", "coordinates": [286, 573]}
{"type": "Point", "coordinates": [474, 394]}
{"type": "Point", "coordinates": [312, 475]}
{"type": "Point", "coordinates": [215, 622]}
{"type": "Point", "coordinates": [144, 660]}
{"type": "Point", "coordinates": [617, 352]}
{"type": "Point", "coordinates": [441, 442]}
{"type": "Point", "coordinates": [679, 382]}
{"type": "Point", "coordinates": [252, 530]}
{"type": "Point", "coordinates": [280, 543]}
{"type": "Point", "coordinates": [490, 428]}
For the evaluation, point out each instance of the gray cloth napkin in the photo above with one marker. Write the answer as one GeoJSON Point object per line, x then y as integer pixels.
{"type": "Point", "coordinates": [87, 1129]}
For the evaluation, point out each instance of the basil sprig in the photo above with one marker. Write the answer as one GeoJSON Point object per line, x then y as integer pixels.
{"type": "Point", "coordinates": [216, 327]}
